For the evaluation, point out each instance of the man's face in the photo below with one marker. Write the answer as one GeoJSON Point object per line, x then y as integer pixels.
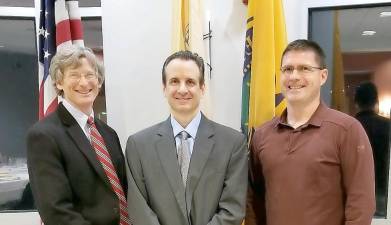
{"type": "Point", "coordinates": [80, 86]}
{"type": "Point", "coordinates": [182, 88]}
{"type": "Point", "coordinates": [302, 84]}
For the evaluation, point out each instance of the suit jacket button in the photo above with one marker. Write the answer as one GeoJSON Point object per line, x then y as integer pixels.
{"type": "Point", "coordinates": [116, 210]}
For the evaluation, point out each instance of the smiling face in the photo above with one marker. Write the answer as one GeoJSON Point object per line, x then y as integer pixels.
{"type": "Point", "coordinates": [80, 86]}
{"type": "Point", "coordinates": [302, 87]}
{"type": "Point", "coordinates": [183, 89]}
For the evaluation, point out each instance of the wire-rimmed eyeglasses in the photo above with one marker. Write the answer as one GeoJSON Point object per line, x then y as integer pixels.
{"type": "Point", "coordinates": [299, 68]}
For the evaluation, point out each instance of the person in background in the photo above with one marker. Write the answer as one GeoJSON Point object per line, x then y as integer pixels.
{"type": "Point", "coordinates": [378, 131]}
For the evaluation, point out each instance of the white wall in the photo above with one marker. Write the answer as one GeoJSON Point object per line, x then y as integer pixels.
{"type": "Point", "coordinates": [228, 22]}
{"type": "Point", "coordinates": [136, 41]}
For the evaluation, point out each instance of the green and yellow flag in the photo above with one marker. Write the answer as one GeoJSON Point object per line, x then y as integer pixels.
{"type": "Point", "coordinates": [265, 42]}
{"type": "Point", "coordinates": [187, 34]}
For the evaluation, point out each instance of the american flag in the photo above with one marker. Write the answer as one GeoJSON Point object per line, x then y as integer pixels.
{"type": "Point", "coordinates": [59, 26]}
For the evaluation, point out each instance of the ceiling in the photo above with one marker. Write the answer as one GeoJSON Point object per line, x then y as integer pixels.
{"type": "Point", "coordinates": [352, 22]}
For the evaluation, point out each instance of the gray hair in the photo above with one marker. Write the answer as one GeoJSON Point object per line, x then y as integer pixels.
{"type": "Point", "coordinates": [69, 57]}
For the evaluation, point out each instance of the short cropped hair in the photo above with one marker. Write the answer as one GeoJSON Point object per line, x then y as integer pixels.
{"type": "Point", "coordinates": [69, 57]}
{"type": "Point", "coordinates": [366, 96]}
{"type": "Point", "coordinates": [307, 45]}
{"type": "Point", "coordinates": [185, 55]}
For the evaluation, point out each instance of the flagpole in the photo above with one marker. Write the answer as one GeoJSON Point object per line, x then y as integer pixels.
{"type": "Point", "coordinates": [209, 37]}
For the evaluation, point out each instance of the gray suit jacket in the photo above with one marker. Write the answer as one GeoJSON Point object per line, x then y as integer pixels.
{"type": "Point", "coordinates": [216, 185]}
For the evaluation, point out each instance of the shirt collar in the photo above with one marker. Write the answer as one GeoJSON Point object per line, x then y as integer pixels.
{"type": "Point", "coordinates": [191, 128]}
{"type": "Point", "coordinates": [79, 116]}
{"type": "Point", "coordinates": [366, 113]}
{"type": "Point", "coordinates": [316, 119]}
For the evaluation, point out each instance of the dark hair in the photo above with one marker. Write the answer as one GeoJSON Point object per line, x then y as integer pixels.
{"type": "Point", "coordinates": [185, 55]}
{"type": "Point", "coordinates": [366, 95]}
{"type": "Point", "coordinates": [306, 45]}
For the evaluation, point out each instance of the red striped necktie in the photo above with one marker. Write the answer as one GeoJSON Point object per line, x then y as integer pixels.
{"type": "Point", "coordinates": [103, 155]}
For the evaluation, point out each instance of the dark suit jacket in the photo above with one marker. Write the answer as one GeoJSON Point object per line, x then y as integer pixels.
{"type": "Point", "coordinates": [68, 183]}
{"type": "Point", "coordinates": [216, 184]}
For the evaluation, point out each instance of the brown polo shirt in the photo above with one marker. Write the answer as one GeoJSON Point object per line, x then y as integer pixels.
{"type": "Point", "coordinates": [320, 173]}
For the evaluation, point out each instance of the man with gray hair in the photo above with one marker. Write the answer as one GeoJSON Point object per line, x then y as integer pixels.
{"type": "Point", "coordinates": [75, 161]}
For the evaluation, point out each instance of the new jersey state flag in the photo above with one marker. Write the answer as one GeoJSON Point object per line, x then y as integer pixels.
{"type": "Point", "coordinates": [265, 42]}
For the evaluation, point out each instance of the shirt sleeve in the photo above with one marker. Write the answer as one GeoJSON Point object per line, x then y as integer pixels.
{"type": "Point", "coordinates": [358, 175]}
{"type": "Point", "coordinates": [255, 207]}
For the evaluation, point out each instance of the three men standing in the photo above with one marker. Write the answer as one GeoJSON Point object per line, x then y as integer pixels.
{"type": "Point", "coordinates": [311, 166]}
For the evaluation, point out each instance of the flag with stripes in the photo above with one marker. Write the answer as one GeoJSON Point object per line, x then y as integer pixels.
{"type": "Point", "coordinates": [265, 41]}
{"type": "Point", "coordinates": [59, 26]}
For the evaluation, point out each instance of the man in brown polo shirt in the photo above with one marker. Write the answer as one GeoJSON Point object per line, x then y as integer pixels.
{"type": "Point", "coordinates": [313, 165]}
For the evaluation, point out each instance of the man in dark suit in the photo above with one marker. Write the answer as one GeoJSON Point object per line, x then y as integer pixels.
{"type": "Point", "coordinates": [187, 170]}
{"type": "Point", "coordinates": [378, 130]}
{"type": "Point", "coordinates": [75, 161]}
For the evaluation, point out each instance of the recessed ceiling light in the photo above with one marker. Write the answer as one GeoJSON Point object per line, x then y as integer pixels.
{"type": "Point", "coordinates": [385, 14]}
{"type": "Point", "coordinates": [368, 32]}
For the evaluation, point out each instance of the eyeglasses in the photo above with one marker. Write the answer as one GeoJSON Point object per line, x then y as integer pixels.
{"type": "Point", "coordinates": [78, 76]}
{"type": "Point", "coordinates": [303, 69]}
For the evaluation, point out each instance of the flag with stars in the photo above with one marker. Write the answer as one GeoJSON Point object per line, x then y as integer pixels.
{"type": "Point", "coordinates": [265, 42]}
{"type": "Point", "coordinates": [59, 26]}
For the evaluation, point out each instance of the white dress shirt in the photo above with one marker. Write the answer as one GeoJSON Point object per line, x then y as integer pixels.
{"type": "Point", "coordinates": [79, 116]}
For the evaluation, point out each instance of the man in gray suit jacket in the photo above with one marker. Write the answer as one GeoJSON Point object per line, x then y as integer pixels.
{"type": "Point", "coordinates": [187, 170]}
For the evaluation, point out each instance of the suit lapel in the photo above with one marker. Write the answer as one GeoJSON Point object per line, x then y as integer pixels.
{"type": "Point", "coordinates": [203, 146]}
{"type": "Point", "coordinates": [165, 148]}
{"type": "Point", "coordinates": [81, 141]}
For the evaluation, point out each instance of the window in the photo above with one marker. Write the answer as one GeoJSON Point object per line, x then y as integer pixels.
{"type": "Point", "coordinates": [19, 98]}
{"type": "Point", "coordinates": [356, 43]}
{"type": "Point", "coordinates": [19, 3]}
{"type": "Point", "coordinates": [89, 3]}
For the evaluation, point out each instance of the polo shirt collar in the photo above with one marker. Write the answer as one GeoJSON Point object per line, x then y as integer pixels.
{"type": "Point", "coordinates": [316, 119]}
